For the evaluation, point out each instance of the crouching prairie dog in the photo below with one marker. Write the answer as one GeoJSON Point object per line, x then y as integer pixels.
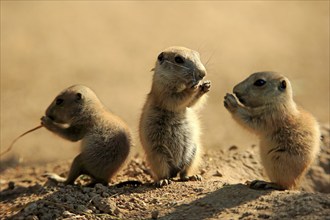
{"type": "Point", "coordinates": [169, 127]}
{"type": "Point", "coordinates": [289, 136]}
{"type": "Point", "coordinates": [77, 114]}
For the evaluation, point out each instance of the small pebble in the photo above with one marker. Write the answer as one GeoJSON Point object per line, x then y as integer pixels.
{"type": "Point", "coordinates": [198, 189]}
{"type": "Point", "coordinates": [233, 147]}
{"type": "Point", "coordinates": [32, 217]}
{"type": "Point", "coordinates": [11, 185]}
{"type": "Point", "coordinates": [218, 173]}
{"type": "Point", "coordinates": [117, 211]}
{"type": "Point", "coordinates": [105, 195]}
{"type": "Point", "coordinates": [154, 214]}
{"type": "Point", "coordinates": [67, 214]}
{"type": "Point", "coordinates": [154, 201]}
{"type": "Point", "coordinates": [31, 207]}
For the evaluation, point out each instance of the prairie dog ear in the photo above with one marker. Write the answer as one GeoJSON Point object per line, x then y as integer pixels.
{"type": "Point", "coordinates": [282, 85]}
{"type": "Point", "coordinates": [78, 96]}
{"type": "Point", "coordinates": [161, 58]}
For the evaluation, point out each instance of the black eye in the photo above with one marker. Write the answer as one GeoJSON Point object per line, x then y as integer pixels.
{"type": "Point", "coordinates": [161, 57]}
{"type": "Point", "coordinates": [259, 82]}
{"type": "Point", "coordinates": [59, 101]}
{"type": "Point", "coordinates": [179, 59]}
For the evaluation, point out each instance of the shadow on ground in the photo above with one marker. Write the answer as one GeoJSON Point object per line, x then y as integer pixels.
{"type": "Point", "coordinates": [215, 202]}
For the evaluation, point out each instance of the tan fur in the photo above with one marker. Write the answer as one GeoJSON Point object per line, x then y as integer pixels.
{"type": "Point", "coordinates": [77, 114]}
{"type": "Point", "coordinates": [169, 127]}
{"type": "Point", "coordinates": [289, 136]}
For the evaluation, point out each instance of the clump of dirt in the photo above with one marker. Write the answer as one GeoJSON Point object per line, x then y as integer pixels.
{"type": "Point", "coordinates": [222, 194]}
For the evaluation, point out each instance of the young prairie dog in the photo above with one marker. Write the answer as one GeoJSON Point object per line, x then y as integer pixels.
{"type": "Point", "coordinates": [289, 136]}
{"type": "Point", "coordinates": [169, 127]}
{"type": "Point", "coordinates": [77, 114]}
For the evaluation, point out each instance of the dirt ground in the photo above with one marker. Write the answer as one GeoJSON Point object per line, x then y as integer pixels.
{"type": "Point", "coordinates": [222, 194]}
{"type": "Point", "coordinates": [111, 46]}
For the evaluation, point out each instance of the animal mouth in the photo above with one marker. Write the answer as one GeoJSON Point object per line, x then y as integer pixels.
{"type": "Point", "coordinates": [56, 120]}
{"type": "Point", "coordinates": [194, 84]}
{"type": "Point", "coordinates": [197, 77]}
{"type": "Point", "coordinates": [240, 99]}
{"type": "Point", "coordinates": [51, 117]}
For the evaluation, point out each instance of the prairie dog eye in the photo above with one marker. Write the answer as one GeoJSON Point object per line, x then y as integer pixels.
{"type": "Point", "coordinates": [259, 82]}
{"type": "Point", "coordinates": [59, 101]}
{"type": "Point", "coordinates": [179, 60]}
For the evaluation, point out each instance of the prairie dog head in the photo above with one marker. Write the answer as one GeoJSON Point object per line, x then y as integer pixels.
{"type": "Point", "coordinates": [180, 66]}
{"type": "Point", "coordinates": [70, 104]}
{"type": "Point", "coordinates": [264, 88]}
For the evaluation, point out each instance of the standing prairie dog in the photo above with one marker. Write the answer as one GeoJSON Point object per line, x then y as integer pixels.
{"type": "Point", "coordinates": [77, 114]}
{"type": "Point", "coordinates": [289, 136]}
{"type": "Point", "coordinates": [169, 127]}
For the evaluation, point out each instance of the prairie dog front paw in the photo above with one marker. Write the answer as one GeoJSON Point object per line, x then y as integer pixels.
{"type": "Point", "coordinates": [205, 86]}
{"type": "Point", "coordinates": [230, 102]}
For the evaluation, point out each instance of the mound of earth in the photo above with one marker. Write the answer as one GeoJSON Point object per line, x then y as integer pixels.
{"type": "Point", "coordinates": [222, 194]}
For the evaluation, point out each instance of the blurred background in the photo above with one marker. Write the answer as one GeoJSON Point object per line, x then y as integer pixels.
{"type": "Point", "coordinates": [111, 47]}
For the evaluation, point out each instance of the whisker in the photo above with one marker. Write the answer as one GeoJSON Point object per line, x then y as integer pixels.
{"type": "Point", "coordinates": [194, 76]}
{"type": "Point", "coordinates": [179, 75]}
{"type": "Point", "coordinates": [208, 60]}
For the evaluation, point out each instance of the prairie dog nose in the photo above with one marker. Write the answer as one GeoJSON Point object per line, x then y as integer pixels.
{"type": "Point", "coordinates": [235, 91]}
{"type": "Point", "coordinates": [200, 74]}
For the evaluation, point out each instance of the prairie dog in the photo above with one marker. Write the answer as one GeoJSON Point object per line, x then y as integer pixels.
{"type": "Point", "coordinates": [77, 114]}
{"type": "Point", "coordinates": [289, 136]}
{"type": "Point", "coordinates": [169, 127]}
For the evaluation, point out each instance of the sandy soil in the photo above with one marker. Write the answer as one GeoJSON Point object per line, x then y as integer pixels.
{"type": "Point", "coordinates": [222, 194]}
